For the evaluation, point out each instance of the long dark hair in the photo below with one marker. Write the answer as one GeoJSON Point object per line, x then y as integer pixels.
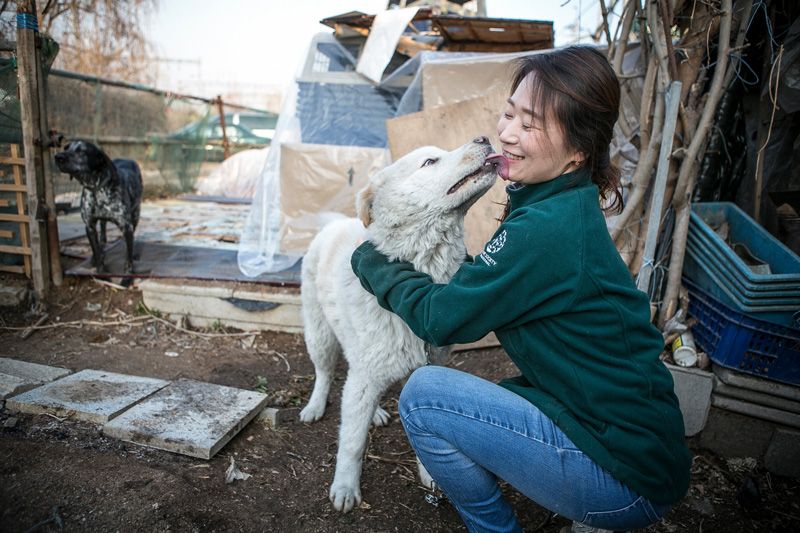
{"type": "Point", "coordinates": [579, 87]}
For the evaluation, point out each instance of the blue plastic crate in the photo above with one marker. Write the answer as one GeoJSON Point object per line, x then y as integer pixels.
{"type": "Point", "coordinates": [745, 296]}
{"type": "Point", "coordinates": [722, 265]}
{"type": "Point", "coordinates": [693, 271]}
{"type": "Point", "coordinates": [784, 264]}
{"type": "Point", "coordinates": [739, 342]}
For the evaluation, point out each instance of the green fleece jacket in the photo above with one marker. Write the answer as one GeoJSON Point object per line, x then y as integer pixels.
{"type": "Point", "coordinates": [552, 286]}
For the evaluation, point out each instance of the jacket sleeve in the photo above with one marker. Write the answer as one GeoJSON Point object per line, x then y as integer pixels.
{"type": "Point", "coordinates": [521, 275]}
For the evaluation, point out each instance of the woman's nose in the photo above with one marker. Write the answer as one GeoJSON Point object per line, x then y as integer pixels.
{"type": "Point", "coordinates": [506, 133]}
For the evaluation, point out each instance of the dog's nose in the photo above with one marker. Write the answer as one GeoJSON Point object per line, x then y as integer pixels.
{"type": "Point", "coordinates": [481, 140]}
{"type": "Point", "coordinates": [59, 156]}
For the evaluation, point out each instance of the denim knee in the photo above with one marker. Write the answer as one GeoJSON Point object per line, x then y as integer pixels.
{"type": "Point", "coordinates": [420, 385]}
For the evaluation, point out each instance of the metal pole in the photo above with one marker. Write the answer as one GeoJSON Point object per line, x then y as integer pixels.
{"type": "Point", "coordinates": [226, 148]}
{"type": "Point", "coordinates": [673, 98]}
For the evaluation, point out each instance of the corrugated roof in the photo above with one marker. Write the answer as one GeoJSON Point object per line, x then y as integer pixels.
{"type": "Point", "coordinates": [466, 34]}
{"type": "Point", "coordinates": [491, 34]}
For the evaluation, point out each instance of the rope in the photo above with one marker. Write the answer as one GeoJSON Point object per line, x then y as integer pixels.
{"type": "Point", "coordinates": [27, 21]}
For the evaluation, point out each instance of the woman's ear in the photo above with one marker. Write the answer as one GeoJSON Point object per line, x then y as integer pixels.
{"type": "Point", "coordinates": [364, 204]}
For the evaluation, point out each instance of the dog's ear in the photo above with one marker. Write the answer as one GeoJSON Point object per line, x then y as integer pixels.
{"type": "Point", "coordinates": [364, 204]}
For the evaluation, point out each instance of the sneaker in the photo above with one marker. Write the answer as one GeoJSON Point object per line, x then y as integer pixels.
{"type": "Point", "coordinates": [577, 527]}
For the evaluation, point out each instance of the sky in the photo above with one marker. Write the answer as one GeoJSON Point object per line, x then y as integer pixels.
{"type": "Point", "coordinates": [261, 43]}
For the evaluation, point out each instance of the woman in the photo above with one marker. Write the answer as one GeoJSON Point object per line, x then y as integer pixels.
{"type": "Point", "coordinates": [591, 429]}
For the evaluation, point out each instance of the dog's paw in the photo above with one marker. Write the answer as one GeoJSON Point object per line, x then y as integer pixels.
{"type": "Point", "coordinates": [345, 497]}
{"type": "Point", "coordinates": [380, 418]}
{"type": "Point", "coordinates": [424, 477]}
{"type": "Point", "coordinates": [311, 413]}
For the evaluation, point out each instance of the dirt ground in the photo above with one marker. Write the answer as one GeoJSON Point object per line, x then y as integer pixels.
{"type": "Point", "coordinates": [62, 474]}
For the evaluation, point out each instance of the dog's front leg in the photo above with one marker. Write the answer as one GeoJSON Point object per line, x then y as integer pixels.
{"type": "Point", "coordinates": [102, 234]}
{"type": "Point", "coordinates": [97, 250]}
{"type": "Point", "coordinates": [359, 400]}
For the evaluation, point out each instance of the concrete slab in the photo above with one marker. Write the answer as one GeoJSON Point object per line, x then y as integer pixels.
{"type": "Point", "coordinates": [188, 417]}
{"type": "Point", "coordinates": [735, 435]}
{"type": "Point", "coordinates": [693, 389]}
{"type": "Point", "coordinates": [91, 395]}
{"type": "Point", "coordinates": [13, 293]}
{"type": "Point", "coordinates": [783, 453]}
{"type": "Point", "coordinates": [755, 383]}
{"type": "Point", "coordinates": [274, 417]}
{"type": "Point", "coordinates": [266, 308]}
{"type": "Point", "coordinates": [770, 414]}
{"type": "Point", "coordinates": [18, 376]}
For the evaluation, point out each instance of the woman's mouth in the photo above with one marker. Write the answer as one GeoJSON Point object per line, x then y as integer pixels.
{"type": "Point", "coordinates": [513, 157]}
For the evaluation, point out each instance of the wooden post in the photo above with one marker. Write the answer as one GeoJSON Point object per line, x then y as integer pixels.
{"type": "Point", "coordinates": [28, 78]}
{"type": "Point", "coordinates": [226, 149]}
{"type": "Point", "coordinates": [54, 244]}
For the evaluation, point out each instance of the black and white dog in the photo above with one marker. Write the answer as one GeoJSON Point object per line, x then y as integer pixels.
{"type": "Point", "coordinates": [112, 191]}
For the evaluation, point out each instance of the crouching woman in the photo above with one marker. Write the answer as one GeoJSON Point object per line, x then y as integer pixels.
{"type": "Point", "coordinates": [591, 428]}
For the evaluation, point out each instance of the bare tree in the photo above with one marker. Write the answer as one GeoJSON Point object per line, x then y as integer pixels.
{"type": "Point", "coordinates": [104, 38]}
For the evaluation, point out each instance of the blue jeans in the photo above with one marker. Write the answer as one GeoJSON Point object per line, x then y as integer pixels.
{"type": "Point", "coordinates": [468, 432]}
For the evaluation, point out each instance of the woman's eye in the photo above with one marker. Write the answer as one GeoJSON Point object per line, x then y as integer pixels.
{"type": "Point", "coordinates": [508, 116]}
{"type": "Point", "coordinates": [429, 162]}
{"type": "Point", "coordinates": [526, 127]}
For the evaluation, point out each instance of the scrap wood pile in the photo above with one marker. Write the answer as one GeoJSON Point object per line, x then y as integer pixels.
{"type": "Point", "coordinates": [695, 51]}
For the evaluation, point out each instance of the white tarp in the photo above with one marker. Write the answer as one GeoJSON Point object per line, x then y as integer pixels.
{"type": "Point", "coordinates": [385, 33]}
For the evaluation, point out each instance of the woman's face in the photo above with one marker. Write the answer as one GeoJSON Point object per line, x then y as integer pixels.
{"type": "Point", "coordinates": [534, 154]}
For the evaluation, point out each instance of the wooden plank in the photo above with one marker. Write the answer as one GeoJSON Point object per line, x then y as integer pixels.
{"type": "Point", "coordinates": [12, 161]}
{"type": "Point", "coordinates": [13, 268]}
{"type": "Point", "coordinates": [6, 234]}
{"type": "Point", "coordinates": [4, 202]}
{"type": "Point", "coordinates": [18, 250]}
{"type": "Point", "coordinates": [10, 217]}
{"type": "Point", "coordinates": [12, 187]}
{"type": "Point", "coordinates": [23, 229]}
{"type": "Point", "coordinates": [53, 242]}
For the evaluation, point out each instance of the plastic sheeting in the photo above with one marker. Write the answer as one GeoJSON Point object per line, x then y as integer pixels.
{"type": "Point", "coordinates": [332, 105]}
{"type": "Point", "coordinates": [384, 34]}
{"type": "Point", "coordinates": [236, 177]}
{"type": "Point", "coordinates": [331, 136]}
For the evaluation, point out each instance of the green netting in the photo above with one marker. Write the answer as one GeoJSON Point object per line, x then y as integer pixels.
{"type": "Point", "coordinates": [10, 124]}
{"type": "Point", "coordinates": [132, 124]}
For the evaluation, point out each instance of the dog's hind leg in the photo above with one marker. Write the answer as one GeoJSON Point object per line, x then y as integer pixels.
{"type": "Point", "coordinates": [324, 350]}
{"type": "Point", "coordinates": [359, 400]}
{"type": "Point", "coordinates": [127, 232]}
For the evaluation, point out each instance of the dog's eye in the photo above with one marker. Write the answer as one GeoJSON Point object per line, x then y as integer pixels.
{"type": "Point", "coordinates": [429, 162]}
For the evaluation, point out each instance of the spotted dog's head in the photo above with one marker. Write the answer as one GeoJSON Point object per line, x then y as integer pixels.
{"type": "Point", "coordinates": [85, 162]}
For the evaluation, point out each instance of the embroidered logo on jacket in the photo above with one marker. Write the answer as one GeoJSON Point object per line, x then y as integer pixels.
{"type": "Point", "coordinates": [493, 247]}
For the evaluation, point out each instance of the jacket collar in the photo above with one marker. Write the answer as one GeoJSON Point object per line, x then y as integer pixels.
{"type": "Point", "coordinates": [520, 195]}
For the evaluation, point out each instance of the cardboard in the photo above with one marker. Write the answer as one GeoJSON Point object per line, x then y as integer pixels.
{"type": "Point", "coordinates": [445, 83]}
{"type": "Point", "coordinates": [318, 183]}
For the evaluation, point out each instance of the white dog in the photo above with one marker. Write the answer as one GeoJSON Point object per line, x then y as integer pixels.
{"type": "Point", "coordinates": [413, 210]}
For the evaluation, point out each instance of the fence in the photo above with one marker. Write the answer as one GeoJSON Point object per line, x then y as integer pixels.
{"type": "Point", "coordinates": [172, 137]}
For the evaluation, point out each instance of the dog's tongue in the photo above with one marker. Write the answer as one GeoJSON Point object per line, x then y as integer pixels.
{"type": "Point", "coordinates": [500, 164]}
